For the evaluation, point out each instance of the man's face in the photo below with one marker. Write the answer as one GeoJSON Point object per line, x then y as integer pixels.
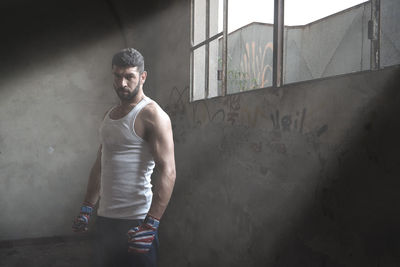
{"type": "Point", "coordinates": [127, 81]}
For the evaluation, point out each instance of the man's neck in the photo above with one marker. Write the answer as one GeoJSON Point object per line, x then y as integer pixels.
{"type": "Point", "coordinates": [133, 102]}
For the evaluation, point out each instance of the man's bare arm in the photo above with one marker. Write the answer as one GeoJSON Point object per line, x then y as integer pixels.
{"type": "Point", "coordinates": [93, 186]}
{"type": "Point", "coordinates": [94, 182]}
{"type": "Point", "coordinates": [81, 221]}
{"type": "Point", "coordinates": [160, 138]}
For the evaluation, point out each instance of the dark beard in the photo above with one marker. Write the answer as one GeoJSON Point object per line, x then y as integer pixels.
{"type": "Point", "coordinates": [127, 97]}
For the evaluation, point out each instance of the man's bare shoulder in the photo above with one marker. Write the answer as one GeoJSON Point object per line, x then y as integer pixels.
{"type": "Point", "coordinates": [153, 114]}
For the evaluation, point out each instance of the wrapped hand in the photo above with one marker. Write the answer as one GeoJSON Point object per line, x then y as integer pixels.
{"type": "Point", "coordinates": [141, 237]}
{"type": "Point", "coordinates": [81, 221]}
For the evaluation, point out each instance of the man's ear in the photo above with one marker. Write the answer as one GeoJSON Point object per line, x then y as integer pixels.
{"type": "Point", "coordinates": [143, 76]}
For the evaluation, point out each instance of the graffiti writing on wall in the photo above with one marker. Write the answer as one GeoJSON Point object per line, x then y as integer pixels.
{"type": "Point", "coordinates": [177, 109]}
{"type": "Point", "coordinates": [288, 122]}
{"type": "Point", "coordinates": [232, 111]}
{"type": "Point", "coordinates": [228, 112]}
{"type": "Point", "coordinates": [177, 101]}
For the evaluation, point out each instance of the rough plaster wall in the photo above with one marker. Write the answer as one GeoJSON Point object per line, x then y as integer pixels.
{"type": "Point", "coordinates": [301, 176]}
{"type": "Point", "coordinates": [305, 175]}
{"type": "Point", "coordinates": [54, 89]}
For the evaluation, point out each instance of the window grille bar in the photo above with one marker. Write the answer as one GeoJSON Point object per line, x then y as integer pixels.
{"type": "Point", "coordinates": [225, 49]}
{"type": "Point", "coordinates": [375, 34]}
{"type": "Point", "coordinates": [209, 40]}
{"type": "Point", "coordinates": [207, 54]}
{"type": "Point", "coordinates": [192, 52]}
{"type": "Point", "coordinates": [278, 43]}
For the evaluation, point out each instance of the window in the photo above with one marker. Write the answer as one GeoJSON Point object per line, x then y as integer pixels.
{"type": "Point", "coordinates": [206, 57]}
{"type": "Point", "coordinates": [329, 39]}
{"type": "Point", "coordinates": [250, 45]}
{"type": "Point", "coordinates": [226, 55]}
{"type": "Point", "coordinates": [243, 45]}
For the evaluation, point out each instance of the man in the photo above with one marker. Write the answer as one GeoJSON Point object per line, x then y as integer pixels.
{"type": "Point", "coordinates": [136, 135]}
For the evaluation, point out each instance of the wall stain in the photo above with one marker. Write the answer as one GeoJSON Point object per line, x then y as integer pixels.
{"type": "Point", "coordinates": [322, 130]}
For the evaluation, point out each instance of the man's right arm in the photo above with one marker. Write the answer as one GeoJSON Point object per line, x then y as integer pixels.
{"type": "Point", "coordinates": [81, 222]}
{"type": "Point", "coordinates": [93, 186]}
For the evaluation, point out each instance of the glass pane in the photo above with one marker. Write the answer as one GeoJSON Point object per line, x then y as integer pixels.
{"type": "Point", "coordinates": [328, 39]}
{"type": "Point", "coordinates": [216, 16]}
{"type": "Point", "coordinates": [250, 44]}
{"type": "Point", "coordinates": [390, 32]}
{"type": "Point", "coordinates": [215, 61]}
{"type": "Point", "coordinates": [242, 13]}
{"type": "Point", "coordinates": [199, 30]}
{"type": "Point", "coordinates": [199, 57]}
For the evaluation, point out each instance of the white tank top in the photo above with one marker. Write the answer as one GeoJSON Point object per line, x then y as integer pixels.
{"type": "Point", "coordinates": [126, 168]}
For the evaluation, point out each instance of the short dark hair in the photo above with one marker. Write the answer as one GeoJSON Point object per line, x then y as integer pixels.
{"type": "Point", "coordinates": [129, 57]}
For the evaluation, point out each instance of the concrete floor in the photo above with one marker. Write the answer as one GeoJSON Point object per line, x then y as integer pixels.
{"type": "Point", "coordinates": [70, 253]}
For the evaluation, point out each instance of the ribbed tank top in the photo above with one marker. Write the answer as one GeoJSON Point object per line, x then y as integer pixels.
{"type": "Point", "coordinates": [126, 168]}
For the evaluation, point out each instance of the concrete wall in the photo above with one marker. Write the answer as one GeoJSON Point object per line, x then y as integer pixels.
{"type": "Point", "coordinates": [306, 175]}
{"type": "Point", "coordinates": [55, 86]}
{"type": "Point", "coordinates": [54, 90]}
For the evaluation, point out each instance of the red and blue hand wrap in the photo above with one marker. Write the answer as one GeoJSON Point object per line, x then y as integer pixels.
{"type": "Point", "coordinates": [81, 222]}
{"type": "Point", "coordinates": [140, 238]}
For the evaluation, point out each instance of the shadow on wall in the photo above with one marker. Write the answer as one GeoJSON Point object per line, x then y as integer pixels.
{"type": "Point", "coordinates": [354, 218]}
{"type": "Point", "coordinates": [309, 203]}
{"type": "Point", "coordinates": [39, 32]}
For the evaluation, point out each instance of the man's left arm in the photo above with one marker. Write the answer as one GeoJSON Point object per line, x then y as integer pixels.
{"type": "Point", "coordinates": [159, 136]}
{"type": "Point", "coordinates": [160, 139]}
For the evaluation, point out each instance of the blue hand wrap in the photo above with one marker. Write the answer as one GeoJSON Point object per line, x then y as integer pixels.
{"type": "Point", "coordinates": [81, 222]}
{"type": "Point", "coordinates": [87, 209]}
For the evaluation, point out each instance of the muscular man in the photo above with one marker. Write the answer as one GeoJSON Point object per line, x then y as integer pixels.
{"type": "Point", "coordinates": [135, 137]}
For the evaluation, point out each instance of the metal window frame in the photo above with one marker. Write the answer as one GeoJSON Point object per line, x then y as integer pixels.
{"type": "Point", "coordinates": [278, 43]}
{"type": "Point", "coordinates": [374, 34]}
{"type": "Point", "coordinates": [191, 49]}
{"type": "Point", "coordinates": [225, 49]}
{"type": "Point", "coordinates": [277, 51]}
{"type": "Point", "coordinates": [206, 44]}
{"type": "Point", "coordinates": [277, 75]}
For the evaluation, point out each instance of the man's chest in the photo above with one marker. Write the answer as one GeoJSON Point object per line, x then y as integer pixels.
{"type": "Point", "coordinates": [119, 115]}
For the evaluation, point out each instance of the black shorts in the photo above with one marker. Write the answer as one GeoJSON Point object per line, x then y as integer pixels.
{"type": "Point", "coordinates": [111, 245]}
